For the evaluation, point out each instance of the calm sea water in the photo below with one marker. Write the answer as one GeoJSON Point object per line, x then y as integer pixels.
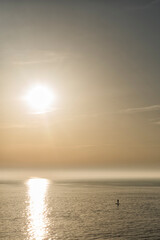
{"type": "Point", "coordinates": [38, 209]}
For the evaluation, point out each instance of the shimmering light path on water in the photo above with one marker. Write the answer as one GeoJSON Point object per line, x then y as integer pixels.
{"type": "Point", "coordinates": [37, 209]}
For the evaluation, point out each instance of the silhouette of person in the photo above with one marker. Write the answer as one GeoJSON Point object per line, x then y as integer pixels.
{"type": "Point", "coordinates": [117, 202]}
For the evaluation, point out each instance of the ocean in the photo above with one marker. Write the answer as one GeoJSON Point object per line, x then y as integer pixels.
{"type": "Point", "coordinates": [41, 209]}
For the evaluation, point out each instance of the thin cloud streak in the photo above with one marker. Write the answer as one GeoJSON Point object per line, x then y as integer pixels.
{"type": "Point", "coordinates": [26, 57]}
{"type": "Point", "coordinates": [141, 109]}
{"type": "Point", "coordinates": [155, 121]}
{"type": "Point", "coordinates": [127, 111]}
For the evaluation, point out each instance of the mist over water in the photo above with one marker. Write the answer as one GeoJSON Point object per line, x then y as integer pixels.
{"type": "Point", "coordinates": [79, 174]}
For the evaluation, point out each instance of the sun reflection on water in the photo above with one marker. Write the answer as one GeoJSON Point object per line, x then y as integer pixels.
{"type": "Point", "coordinates": [37, 209]}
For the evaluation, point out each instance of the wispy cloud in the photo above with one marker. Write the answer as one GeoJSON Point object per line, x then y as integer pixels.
{"type": "Point", "coordinates": [158, 123]}
{"type": "Point", "coordinates": [25, 57]}
{"type": "Point", "coordinates": [155, 121]}
{"type": "Point", "coordinates": [141, 109]}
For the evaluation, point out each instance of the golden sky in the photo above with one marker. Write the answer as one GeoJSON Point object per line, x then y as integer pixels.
{"type": "Point", "coordinates": [100, 60]}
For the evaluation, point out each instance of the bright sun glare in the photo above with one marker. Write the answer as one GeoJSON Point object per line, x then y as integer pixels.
{"type": "Point", "coordinates": [40, 98]}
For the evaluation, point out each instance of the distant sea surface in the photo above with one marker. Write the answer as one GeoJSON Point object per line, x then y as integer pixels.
{"type": "Point", "coordinates": [40, 209]}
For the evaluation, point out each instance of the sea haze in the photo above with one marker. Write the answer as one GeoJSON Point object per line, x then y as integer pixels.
{"type": "Point", "coordinates": [43, 209]}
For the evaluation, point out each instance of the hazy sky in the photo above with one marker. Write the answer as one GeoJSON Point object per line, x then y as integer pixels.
{"type": "Point", "coordinates": [101, 59]}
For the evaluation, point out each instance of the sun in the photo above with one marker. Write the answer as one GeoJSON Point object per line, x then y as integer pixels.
{"type": "Point", "coordinates": [40, 99]}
